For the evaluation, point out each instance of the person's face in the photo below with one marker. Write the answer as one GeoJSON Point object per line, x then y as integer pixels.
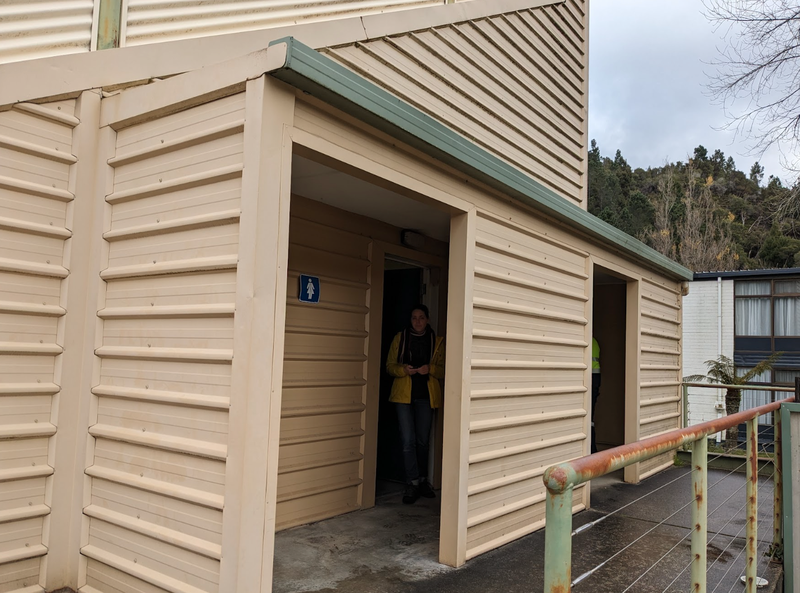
{"type": "Point", "coordinates": [419, 321]}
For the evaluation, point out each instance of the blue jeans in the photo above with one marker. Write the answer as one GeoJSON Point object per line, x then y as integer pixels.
{"type": "Point", "coordinates": [415, 421]}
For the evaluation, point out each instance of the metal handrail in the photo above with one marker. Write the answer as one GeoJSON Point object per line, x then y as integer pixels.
{"type": "Point", "coordinates": [742, 387]}
{"type": "Point", "coordinates": [561, 479]}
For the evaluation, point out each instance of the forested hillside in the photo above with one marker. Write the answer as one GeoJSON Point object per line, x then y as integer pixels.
{"type": "Point", "coordinates": [703, 213]}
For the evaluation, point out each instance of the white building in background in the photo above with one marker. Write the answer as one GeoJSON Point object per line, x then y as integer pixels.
{"type": "Point", "coordinates": [745, 315]}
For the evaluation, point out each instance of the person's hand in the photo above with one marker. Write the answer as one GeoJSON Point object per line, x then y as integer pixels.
{"type": "Point", "coordinates": [424, 369]}
{"type": "Point", "coordinates": [411, 370]}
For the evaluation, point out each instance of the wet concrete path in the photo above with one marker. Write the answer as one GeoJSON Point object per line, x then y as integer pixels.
{"type": "Point", "coordinates": [393, 548]}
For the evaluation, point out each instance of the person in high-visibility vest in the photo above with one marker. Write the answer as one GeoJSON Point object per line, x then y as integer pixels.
{"type": "Point", "coordinates": [595, 386]}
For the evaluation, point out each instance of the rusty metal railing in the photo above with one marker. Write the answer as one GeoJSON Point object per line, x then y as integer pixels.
{"type": "Point", "coordinates": [561, 479]}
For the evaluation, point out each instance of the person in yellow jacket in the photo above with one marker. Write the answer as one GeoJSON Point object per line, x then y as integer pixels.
{"type": "Point", "coordinates": [416, 361]}
{"type": "Point", "coordinates": [595, 387]}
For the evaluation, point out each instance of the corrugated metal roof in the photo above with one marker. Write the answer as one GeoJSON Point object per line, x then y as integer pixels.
{"type": "Point", "coordinates": [36, 29]}
{"type": "Point", "coordinates": [152, 21]}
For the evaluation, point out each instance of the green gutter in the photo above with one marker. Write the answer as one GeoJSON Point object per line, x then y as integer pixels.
{"type": "Point", "coordinates": [321, 77]}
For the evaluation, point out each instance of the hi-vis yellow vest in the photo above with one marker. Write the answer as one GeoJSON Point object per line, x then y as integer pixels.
{"type": "Point", "coordinates": [595, 356]}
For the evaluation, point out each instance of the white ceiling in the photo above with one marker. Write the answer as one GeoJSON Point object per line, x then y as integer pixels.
{"type": "Point", "coordinates": [324, 184]}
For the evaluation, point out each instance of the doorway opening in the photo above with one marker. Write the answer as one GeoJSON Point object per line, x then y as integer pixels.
{"type": "Point", "coordinates": [338, 441]}
{"type": "Point", "coordinates": [609, 328]}
{"type": "Point", "coordinates": [405, 283]}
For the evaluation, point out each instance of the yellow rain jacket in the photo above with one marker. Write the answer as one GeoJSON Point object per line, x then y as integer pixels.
{"type": "Point", "coordinates": [401, 388]}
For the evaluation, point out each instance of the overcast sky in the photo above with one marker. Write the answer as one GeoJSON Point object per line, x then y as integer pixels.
{"type": "Point", "coordinates": [648, 64]}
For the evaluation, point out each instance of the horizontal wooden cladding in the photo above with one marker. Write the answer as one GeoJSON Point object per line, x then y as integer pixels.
{"type": "Point", "coordinates": [188, 477]}
{"type": "Point", "coordinates": [40, 29]}
{"type": "Point", "coordinates": [22, 511]}
{"type": "Point", "coordinates": [660, 364]}
{"type": "Point", "coordinates": [36, 161]}
{"type": "Point", "coordinates": [513, 84]}
{"type": "Point", "coordinates": [324, 371]}
{"type": "Point", "coordinates": [148, 22]}
{"type": "Point", "coordinates": [151, 559]}
{"type": "Point", "coordinates": [166, 347]}
{"type": "Point", "coordinates": [527, 389]}
{"type": "Point", "coordinates": [185, 525]}
{"type": "Point", "coordinates": [177, 294]}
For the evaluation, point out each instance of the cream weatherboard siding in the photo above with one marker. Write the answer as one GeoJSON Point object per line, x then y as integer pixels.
{"type": "Point", "coordinates": [147, 21]}
{"type": "Point", "coordinates": [167, 403]}
{"type": "Point", "coordinates": [514, 84]}
{"type": "Point", "coordinates": [528, 348]}
{"type": "Point", "coordinates": [38, 29]}
{"type": "Point", "coordinates": [161, 416]}
{"type": "Point", "coordinates": [325, 371]}
{"type": "Point", "coordinates": [37, 188]}
{"type": "Point", "coordinates": [527, 396]}
{"type": "Point", "coordinates": [660, 408]}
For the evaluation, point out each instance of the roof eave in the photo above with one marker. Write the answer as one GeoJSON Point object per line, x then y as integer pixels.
{"type": "Point", "coordinates": [320, 76]}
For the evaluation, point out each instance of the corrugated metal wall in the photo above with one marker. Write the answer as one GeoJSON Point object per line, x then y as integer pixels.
{"type": "Point", "coordinates": [660, 365]}
{"type": "Point", "coordinates": [36, 189]}
{"type": "Point", "coordinates": [161, 413]}
{"type": "Point", "coordinates": [513, 84]}
{"type": "Point", "coordinates": [528, 397]}
{"type": "Point", "coordinates": [150, 21]}
{"type": "Point", "coordinates": [39, 28]}
{"type": "Point", "coordinates": [325, 372]}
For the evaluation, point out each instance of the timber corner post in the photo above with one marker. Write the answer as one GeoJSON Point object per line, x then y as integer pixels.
{"type": "Point", "coordinates": [558, 531]}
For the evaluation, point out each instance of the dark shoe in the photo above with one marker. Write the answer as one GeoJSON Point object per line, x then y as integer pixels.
{"type": "Point", "coordinates": [426, 490]}
{"type": "Point", "coordinates": [410, 494]}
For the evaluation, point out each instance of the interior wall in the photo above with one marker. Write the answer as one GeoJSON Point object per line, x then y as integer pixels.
{"type": "Point", "coordinates": [609, 330]}
{"type": "Point", "coordinates": [328, 417]}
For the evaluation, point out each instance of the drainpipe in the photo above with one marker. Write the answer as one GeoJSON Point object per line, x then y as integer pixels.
{"type": "Point", "coordinates": [720, 405]}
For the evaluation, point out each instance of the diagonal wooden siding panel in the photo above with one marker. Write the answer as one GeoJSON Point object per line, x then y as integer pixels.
{"type": "Point", "coordinates": [160, 423]}
{"type": "Point", "coordinates": [527, 408]}
{"type": "Point", "coordinates": [324, 372]}
{"type": "Point", "coordinates": [37, 168]}
{"type": "Point", "coordinates": [514, 84]}
{"type": "Point", "coordinates": [149, 21]}
{"type": "Point", "coordinates": [660, 365]}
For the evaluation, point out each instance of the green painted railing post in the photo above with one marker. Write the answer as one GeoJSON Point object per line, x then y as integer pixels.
{"type": "Point", "coordinates": [751, 577]}
{"type": "Point", "coordinates": [699, 514]}
{"type": "Point", "coordinates": [777, 463]}
{"type": "Point", "coordinates": [558, 542]}
{"type": "Point", "coordinates": [685, 405]}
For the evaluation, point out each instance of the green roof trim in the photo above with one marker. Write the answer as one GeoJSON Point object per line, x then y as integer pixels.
{"type": "Point", "coordinates": [321, 77]}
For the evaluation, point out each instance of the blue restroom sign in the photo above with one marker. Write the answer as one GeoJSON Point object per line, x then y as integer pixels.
{"type": "Point", "coordinates": [309, 289]}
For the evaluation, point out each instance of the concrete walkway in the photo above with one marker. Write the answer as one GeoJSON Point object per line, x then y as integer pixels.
{"type": "Point", "coordinates": [393, 548]}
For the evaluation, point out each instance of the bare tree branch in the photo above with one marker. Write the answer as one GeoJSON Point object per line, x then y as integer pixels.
{"type": "Point", "coordinates": [758, 73]}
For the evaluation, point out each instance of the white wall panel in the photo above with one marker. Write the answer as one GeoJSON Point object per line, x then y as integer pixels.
{"type": "Point", "coordinates": [702, 325]}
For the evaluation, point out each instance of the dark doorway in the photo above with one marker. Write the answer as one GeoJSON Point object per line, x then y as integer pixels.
{"type": "Point", "coordinates": [609, 328]}
{"type": "Point", "coordinates": [402, 289]}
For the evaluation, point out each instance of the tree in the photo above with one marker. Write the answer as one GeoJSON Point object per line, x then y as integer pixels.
{"type": "Point", "coordinates": [660, 236]}
{"type": "Point", "coordinates": [704, 241]}
{"type": "Point", "coordinates": [722, 370]}
{"type": "Point", "coordinates": [760, 67]}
